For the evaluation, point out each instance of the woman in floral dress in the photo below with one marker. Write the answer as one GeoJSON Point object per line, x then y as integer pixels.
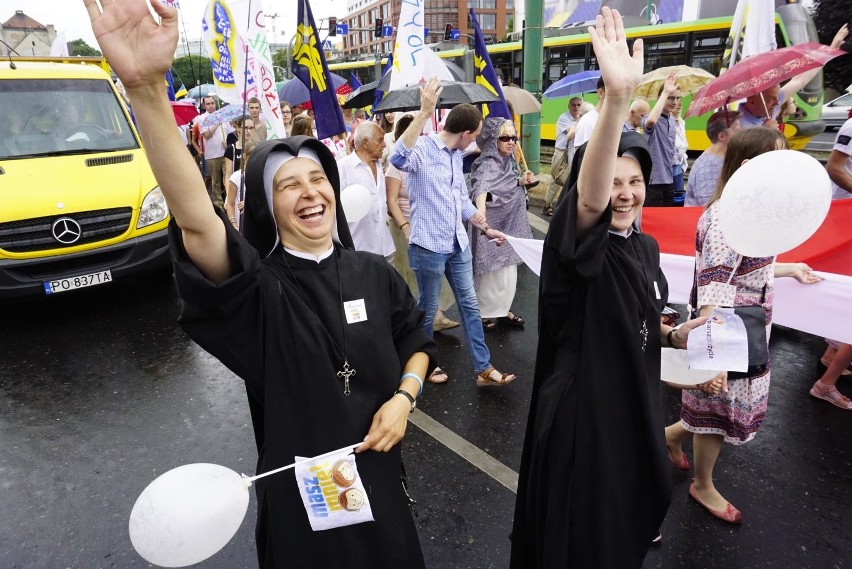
{"type": "Point", "coordinates": [726, 279]}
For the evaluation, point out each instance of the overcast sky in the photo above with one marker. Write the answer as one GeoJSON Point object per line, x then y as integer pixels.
{"type": "Point", "coordinates": [70, 15]}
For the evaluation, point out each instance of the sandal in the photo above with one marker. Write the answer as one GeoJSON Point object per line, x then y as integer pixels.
{"type": "Point", "coordinates": [438, 376]}
{"type": "Point", "coordinates": [514, 320]}
{"type": "Point", "coordinates": [488, 324]}
{"type": "Point", "coordinates": [830, 394]}
{"type": "Point", "coordinates": [484, 378]}
{"type": "Point", "coordinates": [444, 324]}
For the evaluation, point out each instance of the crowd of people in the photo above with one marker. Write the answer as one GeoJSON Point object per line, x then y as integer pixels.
{"type": "Point", "coordinates": [325, 317]}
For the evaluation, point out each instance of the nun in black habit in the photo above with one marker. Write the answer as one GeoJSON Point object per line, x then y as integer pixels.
{"type": "Point", "coordinates": [595, 480]}
{"type": "Point", "coordinates": [327, 339]}
{"type": "Point", "coordinates": [290, 324]}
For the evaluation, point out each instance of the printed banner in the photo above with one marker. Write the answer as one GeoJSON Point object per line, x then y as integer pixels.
{"type": "Point", "coordinates": [332, 491]}
{"type": "Point", "coordinates": [235, 38]}
{"type": "Point", "coordinates": [310, 67]}
{"type": "Point", "coordinates": [409, 45]}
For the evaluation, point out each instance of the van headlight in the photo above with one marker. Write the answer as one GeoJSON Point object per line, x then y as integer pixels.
{"type": "Point", "coordinates": [153, 210]}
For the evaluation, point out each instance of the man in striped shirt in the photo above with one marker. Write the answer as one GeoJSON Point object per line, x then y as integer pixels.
{"type": "Point", "coordinates": [438, 243]}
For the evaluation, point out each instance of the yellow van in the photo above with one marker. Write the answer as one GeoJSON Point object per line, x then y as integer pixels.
{"type": "Point", "coordinates": [79, 205]}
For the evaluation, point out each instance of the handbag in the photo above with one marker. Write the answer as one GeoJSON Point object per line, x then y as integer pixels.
{"type": "Point", "coordinates": [754, 318]}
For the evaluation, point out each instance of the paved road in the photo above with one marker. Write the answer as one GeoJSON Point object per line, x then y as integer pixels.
{"type": "Point", "coordinates": [100, 392]}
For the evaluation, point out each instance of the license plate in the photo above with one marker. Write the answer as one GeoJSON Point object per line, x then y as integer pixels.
{"type": "Point", "coordinates": [81, 281]}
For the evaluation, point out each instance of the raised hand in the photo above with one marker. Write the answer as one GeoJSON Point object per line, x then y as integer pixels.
{"type": "Point", "coordinates": [840, 36]}
{"type": "Point", "coordinates": [620, 69]}
{"type": "Point", "coordinates": [138, 49]}
{"type": "Point", "coordinates": [430, 92]}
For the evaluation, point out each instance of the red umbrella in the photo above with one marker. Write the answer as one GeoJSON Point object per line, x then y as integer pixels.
{"type": "Point", "coordinates": [759, 72]}
{"type": "Point", "coordinates": [184, 112]}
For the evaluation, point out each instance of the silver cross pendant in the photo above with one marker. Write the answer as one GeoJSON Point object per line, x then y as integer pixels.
{"type": "Point", "coordinates": [345, 374]}
{"type": "Point", "coordinates": [644, 333]}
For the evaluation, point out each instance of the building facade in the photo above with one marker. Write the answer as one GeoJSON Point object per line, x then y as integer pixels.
{"type": "Point", "coordinates": [495, 19]}
{"type": "Point", "coordinates": [24, 36]}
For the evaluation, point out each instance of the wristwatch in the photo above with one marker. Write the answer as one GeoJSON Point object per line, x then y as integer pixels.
{"type": "Point", "coordinates": [407, 396]}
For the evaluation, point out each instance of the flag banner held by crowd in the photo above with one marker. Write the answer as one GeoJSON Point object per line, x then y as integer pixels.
{"type": "Point", "coordinates": [170, 86]}
{"type": "Point", "coordinates": [485, 74]}
{"type": "Point", "coordinates": [752, 31]}
{"type": "Point", "coordinates": [332, 492]}
{"type": "Point", "coordinates": [310, 67]}
{"type": "Point", "coordinates": [408, 47]}
{"type": "Point", "coordinates": [240, 58]}
{"type": "Point", "coordinates": [529, 250]}
{"type": "Point", "coordinates": [380, 92]}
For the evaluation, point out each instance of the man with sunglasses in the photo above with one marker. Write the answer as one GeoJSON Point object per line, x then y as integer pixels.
{"type": "Point", "coordinates": [660, 128]}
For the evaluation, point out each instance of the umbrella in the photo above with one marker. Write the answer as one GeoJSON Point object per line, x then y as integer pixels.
{"type": "Point", "coordinates": [223, 115]}
{"type": "Point", "coordinates": [295, 92]}
{"type": "Point", "coordinates": [576, 84]}
{"type": "Point", "coordinates": [201, 91]}
{"type": "Point", "coordinates": [183, 111]}
{"type": "Point", "coordinates": [759, 72]}
{"type": "Point", "coordinates": [281, 83]}
{"type": "Point", "coordinates": [523, 102]}
{"type": "Point", "coordinates": [454, 93]}
{"type": "Point", "coordinates": [689, 80]}
{"type": "Point", "coordinates": [363, 96]}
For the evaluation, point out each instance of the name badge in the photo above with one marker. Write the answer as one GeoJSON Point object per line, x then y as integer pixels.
{"type": "Point", "coordinates": [355, 311]}
{"type": "Point", "coordinates": [657, 291]}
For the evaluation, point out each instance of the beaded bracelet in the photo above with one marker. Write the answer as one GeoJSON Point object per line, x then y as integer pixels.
{"type": "Point", "coordinates": [415, 376]}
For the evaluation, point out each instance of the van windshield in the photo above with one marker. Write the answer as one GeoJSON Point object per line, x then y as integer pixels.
{"type": "Point", "coordinates": [61, 116]}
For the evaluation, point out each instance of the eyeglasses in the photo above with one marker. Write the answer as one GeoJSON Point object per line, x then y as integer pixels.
{"type": "Point", "coordinates": [507, 138]}
{"type": "Point", "coordinates": [673, 99]}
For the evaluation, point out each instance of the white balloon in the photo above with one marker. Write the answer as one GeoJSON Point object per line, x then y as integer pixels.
{"type": "Point", "coordinates": [674, 368]}
{"type": "Point", "coordinates": [774, 203]}
{"type": "Point", "coordinates": [188, 514]}
{"type": "Point", "coordinates": [356, 201]}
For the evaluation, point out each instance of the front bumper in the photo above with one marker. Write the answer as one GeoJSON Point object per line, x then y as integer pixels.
{"type": "Point", "coordinates": [21, 278]}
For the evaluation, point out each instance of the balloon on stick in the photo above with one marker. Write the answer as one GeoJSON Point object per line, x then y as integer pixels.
{"type": "Point", "coordinates": [773, 203]}
{"type": "Point", "coordinates": [188, 514]}
{"type": "Point", "coordinates": [356, 201]}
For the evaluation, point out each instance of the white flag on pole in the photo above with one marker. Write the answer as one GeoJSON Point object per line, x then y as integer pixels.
{"type": "Point", "coordinates": [59, 47]}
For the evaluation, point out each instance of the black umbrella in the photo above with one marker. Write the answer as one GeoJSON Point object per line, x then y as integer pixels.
{"type": "Point", "coordinates": [454, 93]}
{"type": "Point", "coordinates": [363, 96]}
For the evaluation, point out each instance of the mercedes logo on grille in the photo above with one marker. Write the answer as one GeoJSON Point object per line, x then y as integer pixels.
{"type": "Point", "coordinates": [66, 230]}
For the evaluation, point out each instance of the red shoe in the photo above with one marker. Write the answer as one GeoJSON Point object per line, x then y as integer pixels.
{"type": "Point", "coordinates": [730, 514]}
{"type": "Point", "coordinates": [682, 464]}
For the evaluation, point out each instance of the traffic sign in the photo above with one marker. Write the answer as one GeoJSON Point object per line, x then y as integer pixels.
{"type": "Point", "coordinates": [342, 29]}
{"type": "Point", "coordinates": [326, 46]}
{"type": "Point", "coordinates": [387, 31]}
{"type": "Point", "coordinates": [455, 34]}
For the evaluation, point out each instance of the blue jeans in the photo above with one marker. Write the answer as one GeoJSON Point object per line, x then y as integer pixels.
{"type": "Point", "coordinates": [428, 269]}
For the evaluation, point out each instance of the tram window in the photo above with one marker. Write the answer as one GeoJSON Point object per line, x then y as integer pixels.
{"type": "Point", "coordinates": [710, 62]}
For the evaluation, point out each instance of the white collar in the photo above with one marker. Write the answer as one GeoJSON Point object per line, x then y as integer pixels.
{"type": "Point", "coordinates": [309, 256]}
{"type": "Point", "coordinates": [626, 233]}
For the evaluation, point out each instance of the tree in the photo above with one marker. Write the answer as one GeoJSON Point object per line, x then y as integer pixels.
{"type": "Point", "coordinates": [828, 16]}
{"type": "Point", "coordinates": [280, 61]}
{"type": "Point", "coordinates": [80, 47]}
{"type": "Point", "coordinates": [192, 70]}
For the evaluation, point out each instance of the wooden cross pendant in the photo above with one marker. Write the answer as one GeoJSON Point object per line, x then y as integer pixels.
{"type": "Point", "coordinates": [345, 374]}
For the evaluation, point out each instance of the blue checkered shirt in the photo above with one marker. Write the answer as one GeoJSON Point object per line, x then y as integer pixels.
{"type": "Point", "coordinates": [437, 193]}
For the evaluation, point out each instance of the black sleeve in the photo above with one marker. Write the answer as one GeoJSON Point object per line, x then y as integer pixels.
{"type": "Point", "coordinates": [576, 256]}
{"type": "Point", "coordinates": [226, 319]}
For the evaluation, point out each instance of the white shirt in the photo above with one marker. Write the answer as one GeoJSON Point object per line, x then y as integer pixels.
{"type": "Point", "coordinates": [370, 233]}
{"type": "Point", "coordinates": [843, 143]}
{"type": "Point", "coordinates": [214, 147]}
{"type": "Point", "coordinates": [585, 127]}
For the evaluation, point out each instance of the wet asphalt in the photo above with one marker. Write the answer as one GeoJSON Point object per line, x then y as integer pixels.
{"type": "Point", "coordinates": [101, 392]}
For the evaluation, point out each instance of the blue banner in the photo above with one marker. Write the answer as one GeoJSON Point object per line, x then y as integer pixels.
{"type": "Point", "coordinates": [310, 67]}
{"type": "Point", "coordinates": [385, 71]}
{"type": "Point", "coordinates": [170, 86]}
{"type": "Point", "coordinates": [485, 75]}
